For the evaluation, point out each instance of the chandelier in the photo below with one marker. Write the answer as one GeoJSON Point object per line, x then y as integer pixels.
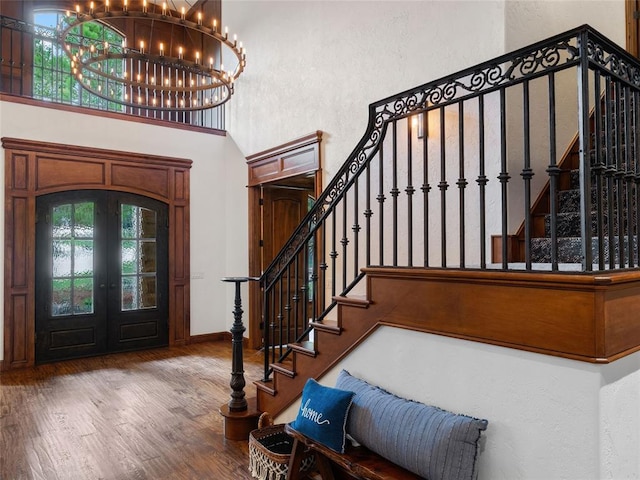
{"type": "Point", "coordinates": [181, 64]}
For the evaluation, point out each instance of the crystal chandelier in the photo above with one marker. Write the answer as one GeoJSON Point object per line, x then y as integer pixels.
{"type": "Point", "coordinates": [180, 65]}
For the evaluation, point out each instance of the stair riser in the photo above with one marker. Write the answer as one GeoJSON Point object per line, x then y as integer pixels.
{"type": "Point", "coordinates": [568, 225]}
{"type": "Point", "coordinates": [570, 250]}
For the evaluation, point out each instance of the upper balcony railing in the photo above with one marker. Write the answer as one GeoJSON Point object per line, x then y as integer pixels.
{"type": "Point", "coordinates": [33, 65]}
{"type": "Point", "coordinates": [526, 162]}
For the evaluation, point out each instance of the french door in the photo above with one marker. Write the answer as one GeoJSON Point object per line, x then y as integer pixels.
{"type": "Point", "coordinates": [101, 274]}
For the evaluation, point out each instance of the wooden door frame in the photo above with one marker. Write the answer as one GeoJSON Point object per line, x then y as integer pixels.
{"type": "Point", "coordinates": [35, 168]}
{"type": "Point", "coordinates": [301, 156]}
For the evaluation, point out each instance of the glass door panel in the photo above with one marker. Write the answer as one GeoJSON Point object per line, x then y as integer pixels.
{"type": "Point", "coordinates": [101, 274]}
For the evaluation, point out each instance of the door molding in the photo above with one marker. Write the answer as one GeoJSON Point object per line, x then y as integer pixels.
{"type": "Point", "coordinates": [35, 168]}
{"type": "Point", "coordinates": [631, 24]}
{"type": "Point", "coordinates": [301, 156]}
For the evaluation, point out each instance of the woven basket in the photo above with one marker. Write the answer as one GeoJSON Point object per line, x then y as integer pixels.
{"type": "Point", "coordinates": [269, 453]}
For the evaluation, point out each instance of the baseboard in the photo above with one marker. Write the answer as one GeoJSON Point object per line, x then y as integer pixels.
{"type": "Point", "coordinates": [210, 337]}
{"type": "Point", "coordinates": [216, 337]}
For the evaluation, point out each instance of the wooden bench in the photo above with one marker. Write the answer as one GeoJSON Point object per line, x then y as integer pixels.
{"type": "Point", "coordinates": [357, 462]}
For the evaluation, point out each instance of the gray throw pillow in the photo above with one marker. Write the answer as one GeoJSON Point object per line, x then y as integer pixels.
{"type": "Point", "coordinates": [426, 440]}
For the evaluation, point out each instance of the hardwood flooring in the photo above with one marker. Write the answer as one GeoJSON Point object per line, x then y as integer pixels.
{"type": "Point", "coordinates": [128, 416]}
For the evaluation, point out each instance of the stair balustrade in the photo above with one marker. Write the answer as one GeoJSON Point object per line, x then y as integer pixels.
{"type": "Point", "coordinates": [446, 172]}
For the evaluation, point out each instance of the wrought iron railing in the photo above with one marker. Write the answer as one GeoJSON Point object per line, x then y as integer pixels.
{"type": "Point", "coordinates": [33, 65]}
{"type": "Point", "coordinates": [449, 169]}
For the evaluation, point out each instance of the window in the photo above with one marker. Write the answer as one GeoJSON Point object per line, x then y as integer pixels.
{"type": "Point", "coordinates": [53, 76]}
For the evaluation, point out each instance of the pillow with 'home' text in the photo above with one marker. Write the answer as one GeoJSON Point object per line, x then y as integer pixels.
{"type": "Point", "coordinates": [323, 414]}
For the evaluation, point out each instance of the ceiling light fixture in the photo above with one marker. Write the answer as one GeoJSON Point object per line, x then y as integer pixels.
{"type": "Point", "coordinates": [184, 70]}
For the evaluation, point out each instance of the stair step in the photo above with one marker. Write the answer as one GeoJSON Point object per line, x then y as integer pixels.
{"type": "Point", "coordinates": [267, 387]}
{"type": "Point", "coordinates": [353, 300]}
{"type": "Point", "coordinates": [568, 224]}
{"type": "Point", "coordinates": [286, 368]}
{"type": "Point", "coordinates": [569, 200]}
{"type": "Point", "coordinates": [570, 249]}
{"type": "Point", "coordinates": [305, 348]}
{"type": "Point", "coordinates": [327, 325]}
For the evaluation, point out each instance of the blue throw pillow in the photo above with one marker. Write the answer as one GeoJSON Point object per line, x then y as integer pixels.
{"type": "Point", "coordinates": [323, 414]}
{"type": "Point", "coordinates": [426, 440]}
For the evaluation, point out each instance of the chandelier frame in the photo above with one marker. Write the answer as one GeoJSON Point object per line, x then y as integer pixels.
{"type": "Point", "coordinates": [158, 80]}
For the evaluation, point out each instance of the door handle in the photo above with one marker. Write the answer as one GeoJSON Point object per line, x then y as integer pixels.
{"type": "Point", "coordinates": [112, 285]}
{"type": "Point", "coordinates": [102, 285]}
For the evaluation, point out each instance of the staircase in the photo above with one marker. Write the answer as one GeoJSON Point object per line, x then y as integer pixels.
{"type": "Point", "coordinates": [408, 220]}
{"type": "Point", "coordinates": [613, 215]}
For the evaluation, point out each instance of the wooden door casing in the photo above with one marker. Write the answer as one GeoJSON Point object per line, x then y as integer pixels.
{"type": "Point", "coordinates": [286, 164]}
{"type": "Point", "coordinates": [36, 168]}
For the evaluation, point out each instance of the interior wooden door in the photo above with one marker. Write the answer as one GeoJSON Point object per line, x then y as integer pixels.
{"type": "Point", "coordinates": [101, 274]}
{"type": "Point", "coordinates": [283, 209]}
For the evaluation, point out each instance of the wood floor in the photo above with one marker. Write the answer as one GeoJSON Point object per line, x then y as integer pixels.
{"type": "Point", "coordinates": [129, 416]}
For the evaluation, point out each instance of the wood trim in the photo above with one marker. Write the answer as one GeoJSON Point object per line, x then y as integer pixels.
{"type": "Point", "coordinates": [6, 97]}
{"type": "Point", "coordinates": [513, 248]}
{"type": "Point", "coordinates": [36, 168]}
{"type": "Point", "coordinates": [255, 267]}
{"type": "Point", "coordinates": [296, 157]}
{"type": "Point", "coordinates": [631, 27]}
{"type": "Point", "coordinates": [301, 156]}
{"type": "Point", "coordinates": [216, 337]}
{"type": "Point", "coordinates": [584, 317]}
{"type": "Point", "coordinates": [210, 337]}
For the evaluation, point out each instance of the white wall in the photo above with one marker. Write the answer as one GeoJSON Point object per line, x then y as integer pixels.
{"type": "Point", "coordinates": [218, 194]}
{"type": "Point", "coordinates": [528, 21]}
{"type": "Point", "coordinates": [317, 65]}
{"type": "Point", "coordinates": [549, 418]}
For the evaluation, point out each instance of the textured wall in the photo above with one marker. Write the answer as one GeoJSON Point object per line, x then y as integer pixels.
{"type": "Point", "coordinates": [549, 418]}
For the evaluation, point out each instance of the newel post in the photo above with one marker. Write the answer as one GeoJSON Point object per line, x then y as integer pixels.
{"type": "Point", "coordinates": [240, 416]}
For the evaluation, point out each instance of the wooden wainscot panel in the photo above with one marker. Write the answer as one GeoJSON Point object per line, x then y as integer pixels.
{"type": "Point", "coordinates": [554, 314]}
{"type": "Point", "coordinates": [181, 185]}
{"type": "Point", "coordinates": [287, 160]}
{"type": "Point", "coordinates": [179, 326]}
{"type": "Point", "coordinates": [21, 338]}
{"type": "Point", "coordinates": [179, 226]}
{"type": "Point", "coordinates": [300, 162]}
{"type": "Point", "coordinates": [152, 180]}
{"type": "Point", "coordinates": [19, 262]}
{"type": "Point", "coordinates": [264, 171]}
{"type": "Point", "coordinates": [19, 171]}
{"type": "Point", "coordinates": [621, 317]}
{"type": "Point", "coordinates": [56, 173]}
